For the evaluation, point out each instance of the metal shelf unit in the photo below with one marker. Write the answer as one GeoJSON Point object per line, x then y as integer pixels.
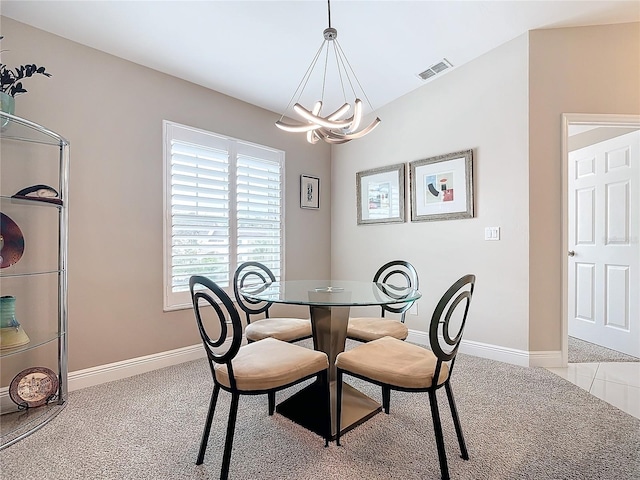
{"type": "Point", "coordinates": [31, 154]}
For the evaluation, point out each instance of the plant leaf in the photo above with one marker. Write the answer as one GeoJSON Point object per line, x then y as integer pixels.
{"type": "Point", "coordinates": [9, 80]}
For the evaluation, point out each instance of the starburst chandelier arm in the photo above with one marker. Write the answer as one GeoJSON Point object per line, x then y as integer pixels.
{"type": "Point", "coordinates": [339, 112]}
{"type": "Point", "coordinates": [297, 128]}
{"type": "Point", "coordinates": [357, 115]}
{"type": "Point", "coordinates": [317, 107]}
{"type": "Point", "coordinates": [354, 135]}
{"type": "Point", "coordinates": [328, 137]}
{"type": "Point", "coordinates": [309, 116]}
{"type": "Point", "coordinates": [312, 137]}
{"type": "Point", "coordinates": [310, 127]}
{"type": "Point", "coordinates": [305, 79]}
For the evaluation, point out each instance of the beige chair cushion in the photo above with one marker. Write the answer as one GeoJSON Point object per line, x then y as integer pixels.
{"type": "Point", "coordinates": [285, 329]}
{"type": "Point", "coordinates": [394, 362]}
{"type": "Point", "coordinates": [369, 328]}
{"type": "Point", "coordinates": [271, 363]}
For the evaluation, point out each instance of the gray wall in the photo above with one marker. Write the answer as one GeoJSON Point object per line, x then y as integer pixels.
{"type": "Point", "coordinates": [482, 106]}
{"type": "Point", "coordinates": [507, 106]}
{"type": "Point", "coordinates": [111, 111]}
{"type": "Point", "coordinates": [572, 70]}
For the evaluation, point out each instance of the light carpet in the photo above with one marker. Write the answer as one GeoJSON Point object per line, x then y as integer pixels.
{"type": "Point", "coordinates": [586, 352]}
{"type": "Point", "coordinates": [519, 423]}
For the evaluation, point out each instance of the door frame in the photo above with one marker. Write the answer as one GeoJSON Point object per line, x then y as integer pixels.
{"type": "Point", "coordinates": [569, 119]}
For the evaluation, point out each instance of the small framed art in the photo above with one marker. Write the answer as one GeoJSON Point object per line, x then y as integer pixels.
{"type": "Point", "coordinates": [442, 187]}
{"type": "Point", "coordinates": [309, 192]}
{"type": "Point", "coordinates": [380, 195]}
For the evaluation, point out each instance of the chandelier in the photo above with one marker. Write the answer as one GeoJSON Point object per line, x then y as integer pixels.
{"type": "Point", "coordinates": [333, 127]}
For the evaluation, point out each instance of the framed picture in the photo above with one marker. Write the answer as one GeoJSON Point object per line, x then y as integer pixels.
{"type": "Point", "coordinates": [442, 187]}
{"type": "Point", "coordinates": [380, 195]}
{"type": "Point", "coordinates": [309, 192]}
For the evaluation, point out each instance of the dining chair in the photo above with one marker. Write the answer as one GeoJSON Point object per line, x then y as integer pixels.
{"type": "Point", "coordinates": [287, 329]}
{"type": "Point", "coordinates": [399, 274]}
{"type": "Point", "coordinates": [261, 367]}
{"type": "Point", "coordinates": [397, 365]}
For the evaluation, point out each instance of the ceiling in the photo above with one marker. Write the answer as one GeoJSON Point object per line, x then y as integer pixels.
{"type": "Point", "coordinates": [258, 51]}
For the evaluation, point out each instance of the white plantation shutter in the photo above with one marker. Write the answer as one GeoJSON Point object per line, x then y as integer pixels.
{"type": "Point", "coordinates": [199, 214]}
{"type": "Point", "coordinates": [223, 202]}
{"type": "Point", "coordinates": [259, 217]}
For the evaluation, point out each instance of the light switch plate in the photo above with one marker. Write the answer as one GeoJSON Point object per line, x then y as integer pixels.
{"type": "Point", "coordinates": [492, 233]}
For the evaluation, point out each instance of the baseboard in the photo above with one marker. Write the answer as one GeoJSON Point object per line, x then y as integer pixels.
{"type": "Point", "coordinates": [135, 366]}
{"type": "Point", "coordinates": [118, 370]}
{"type": "Point", "coordinates": [549, 359]}
{"type": "Point", "coordinates": [495, 352]}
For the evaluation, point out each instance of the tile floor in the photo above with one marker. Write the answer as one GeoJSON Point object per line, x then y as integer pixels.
{"type": "Point", "coordinates": [617, 383]}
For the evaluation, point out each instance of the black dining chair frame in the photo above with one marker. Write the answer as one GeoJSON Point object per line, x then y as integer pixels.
{"type": "Point", "coordinates": [226, 358]}
{"type": "Point", "coordinates": [443, 356]}
{"type": "Point", "coordinates": [389, 270]}
{"type": "Point", "coordinates": [241, 278]}
{"type": "Point", "coordinates": [382, 276]}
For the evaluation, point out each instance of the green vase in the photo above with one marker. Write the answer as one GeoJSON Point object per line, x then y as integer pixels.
{"type": "Point", "coordinates": [11, 333]}
{"type": "Point", "coordinates": [7, 105]}
{"type": "Point", "coordinates": [8, 312]}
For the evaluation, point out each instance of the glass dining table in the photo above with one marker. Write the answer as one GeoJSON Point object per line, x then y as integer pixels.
{"type": "Point", "coordinates": [329, 304]}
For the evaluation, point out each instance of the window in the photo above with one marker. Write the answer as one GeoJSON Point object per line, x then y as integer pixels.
{"type": "Point", "coordinates": [223, 206]}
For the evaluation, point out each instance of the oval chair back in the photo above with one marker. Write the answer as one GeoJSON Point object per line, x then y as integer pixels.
{"type": "Point", "coordinates": [448, 321]}
{"type": "Point", "coordinates": [223, 348]}
{"type": "Point", "coordinates": [252, 273]}
{"type": "Point", "coordinates": [263, 367]}
{"type": "Point", "coordinates": [398, 365]}
{"type": "Point", "coordinates": [400, 274]}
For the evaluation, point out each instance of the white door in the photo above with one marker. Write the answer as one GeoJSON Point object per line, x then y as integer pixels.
{"type": "Point", "coordinates": [604, 245]}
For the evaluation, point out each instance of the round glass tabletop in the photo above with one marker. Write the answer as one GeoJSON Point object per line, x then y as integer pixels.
{"type": "Point", "coordinates": [330, 293]}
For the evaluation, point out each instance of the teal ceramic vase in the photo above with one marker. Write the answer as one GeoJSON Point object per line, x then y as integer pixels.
{"type": "Point", "coordinates": [11, 333]}
{"type": "Point", "coordinates": [8, 312]}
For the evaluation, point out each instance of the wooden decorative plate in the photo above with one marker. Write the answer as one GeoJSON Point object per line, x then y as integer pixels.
{"type": "Point", "coordinates": [33, 387]}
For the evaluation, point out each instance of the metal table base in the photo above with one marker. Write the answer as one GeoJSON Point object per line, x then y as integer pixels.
{"type": "Point", "coordinates": [308, 408]}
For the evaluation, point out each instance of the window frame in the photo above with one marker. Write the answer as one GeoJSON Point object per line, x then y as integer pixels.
{"type": "Point", "coordinates": [175, 131]}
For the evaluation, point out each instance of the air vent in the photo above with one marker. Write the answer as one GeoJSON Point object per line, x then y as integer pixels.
{"type": "Point", "coordinates": [435, 69]}
{"type": "Point", "coordinates": [427, 74]}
